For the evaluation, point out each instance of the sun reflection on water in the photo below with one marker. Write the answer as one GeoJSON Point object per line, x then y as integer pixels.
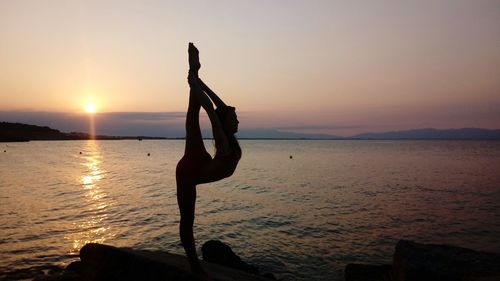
{"type": "Point", "coordinates": [92, 227]}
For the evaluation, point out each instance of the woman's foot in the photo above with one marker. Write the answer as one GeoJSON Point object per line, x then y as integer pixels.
{"type": "Point", "coordinates": [194, 59]}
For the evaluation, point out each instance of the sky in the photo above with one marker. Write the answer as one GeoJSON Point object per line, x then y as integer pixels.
{"type": "Point", "coordinates": [333, 67]}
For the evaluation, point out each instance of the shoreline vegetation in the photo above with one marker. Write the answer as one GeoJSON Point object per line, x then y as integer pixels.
{"type": "Point", "coordinates": [18, 132]}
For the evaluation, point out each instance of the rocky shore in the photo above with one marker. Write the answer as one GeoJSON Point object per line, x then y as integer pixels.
{"type": "Point", "coordinates": [411, 262]}
{"type": "Point", "coordinates": [427, 262]}
{"type": "Point", "coordinates": [103, 262]}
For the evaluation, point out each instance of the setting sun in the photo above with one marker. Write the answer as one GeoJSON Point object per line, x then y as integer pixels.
{"type": "Point", "coordinates": [90, 108]}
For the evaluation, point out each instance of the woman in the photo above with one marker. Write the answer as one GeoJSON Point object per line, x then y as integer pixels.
{"type": "Point", "coordinates": [197, 166]}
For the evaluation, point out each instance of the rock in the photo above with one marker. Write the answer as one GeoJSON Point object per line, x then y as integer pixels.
{"type": "Point", "coordinates": [215, 251]}
{"type": "Point", "coordinates": [107, 263]}
{"type": "Point", "coordinates": [367, 272]}
{"type": "Point", "coordinates": [74, 266]}
{"type": "Point", "coordinates": [220, 253]}
{"type": "Point", "coordinates": [103, 262]}
{"type": "Point", "coordinates": [414, 261]}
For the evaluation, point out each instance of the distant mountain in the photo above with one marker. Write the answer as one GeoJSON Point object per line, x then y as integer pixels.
{"type": "Point", "coordinates": [433, 134]}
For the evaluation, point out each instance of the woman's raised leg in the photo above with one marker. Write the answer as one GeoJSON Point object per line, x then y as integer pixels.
{"type": "Point", "coordinates": [194, 140]}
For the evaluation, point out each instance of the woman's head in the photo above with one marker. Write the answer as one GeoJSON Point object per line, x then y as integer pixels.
{"type": "Point", "coordinates": [228, 118]}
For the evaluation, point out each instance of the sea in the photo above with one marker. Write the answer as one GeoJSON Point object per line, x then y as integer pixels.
{"type": "Point", "coordinates": [300, 209]}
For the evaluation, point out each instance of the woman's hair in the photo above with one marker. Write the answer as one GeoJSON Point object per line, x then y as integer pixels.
{"type": "Point", "coordinates": [222, 115]}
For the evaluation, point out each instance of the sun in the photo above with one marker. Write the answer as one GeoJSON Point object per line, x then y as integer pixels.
{"type": "Point", "coordinates": [90, 108]}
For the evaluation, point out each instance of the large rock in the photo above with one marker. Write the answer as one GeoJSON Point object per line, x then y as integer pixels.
{"type": "Point", "coordinates": [102, 262]}
{"type": "Point", "coordinates": [414, 261]}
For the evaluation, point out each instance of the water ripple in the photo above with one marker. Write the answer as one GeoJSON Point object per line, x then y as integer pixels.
{"type": "Point", "coordinates": [336, 202]}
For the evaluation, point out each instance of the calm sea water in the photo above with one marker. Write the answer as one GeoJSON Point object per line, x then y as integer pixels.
{"type": "Point", "coordinates": [305, 218]}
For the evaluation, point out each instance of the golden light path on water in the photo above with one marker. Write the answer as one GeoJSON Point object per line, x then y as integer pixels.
{"type": "Point", "coordinates": [93, 229]}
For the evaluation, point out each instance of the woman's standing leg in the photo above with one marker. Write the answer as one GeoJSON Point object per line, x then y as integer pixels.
{"type": "Point", "coordinates": [186, 183]}
{"type": "Point", "coordinates": [186, 198]}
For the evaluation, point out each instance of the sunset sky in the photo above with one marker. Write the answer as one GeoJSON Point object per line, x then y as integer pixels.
{"type": "Point", "coordinates": [336, 67]}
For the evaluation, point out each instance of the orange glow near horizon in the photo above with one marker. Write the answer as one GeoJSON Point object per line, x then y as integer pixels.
{"type": "Point", "coordinates": [339, 64]}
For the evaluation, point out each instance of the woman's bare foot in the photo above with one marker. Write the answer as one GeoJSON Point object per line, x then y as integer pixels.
{"type": "Point", "coordinates": [194, 59]}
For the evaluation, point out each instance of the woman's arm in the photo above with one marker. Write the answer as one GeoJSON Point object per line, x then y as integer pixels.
{"type": "Point", "coordinates": [220, 138]}
{"type": "Point", "coordinates": [213, 96]}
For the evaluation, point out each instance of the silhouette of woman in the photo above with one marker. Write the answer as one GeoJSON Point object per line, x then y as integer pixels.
{"type": "Point", "coordinates": [197, 166]}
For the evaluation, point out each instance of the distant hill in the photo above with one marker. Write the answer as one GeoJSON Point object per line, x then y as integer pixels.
{"type": "Point", "coordinates": [433, 134]}
{"type": "Point", "coordinates": [14, 132]}
{"type": "Point", "coordinates": [24, 132]}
